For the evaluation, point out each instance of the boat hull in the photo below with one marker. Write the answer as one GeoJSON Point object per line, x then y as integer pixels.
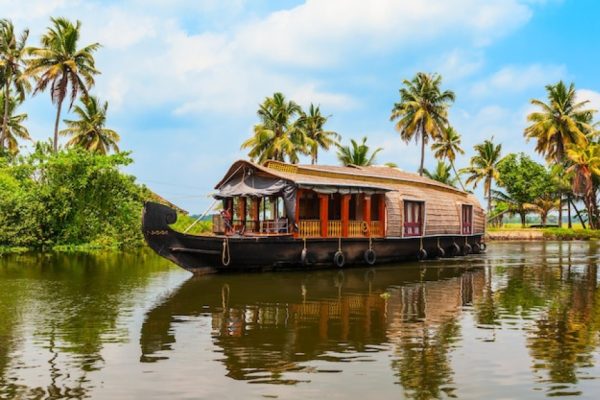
{"type": "Point", "coordinates": [206, 254]}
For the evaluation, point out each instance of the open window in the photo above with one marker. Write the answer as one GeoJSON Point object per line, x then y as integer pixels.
{"type": "Point", "coordinates": [467, 219]}
{"type": "Point", "coordinates": [413, 218]}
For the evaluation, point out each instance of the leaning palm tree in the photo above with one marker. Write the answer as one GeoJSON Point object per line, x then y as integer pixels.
{"type": "Point", "coordinates": [560, 123]}
{"type": "Point", "coordinates": [422, 111]}
{"type": "Point", "coordinates": [278, 135]}
{"type": "Point", "coordinates": [447, 146]}
{"type": "Point", "coordinates": [543, 205]}
{"type": "Point", "coordinates": [585, 167]}
{"type": "Point", "coordinates": [14, 124]}
{"type": "Point", "coordinates": [441, 174]}
{"type": "Point", "coordinates": [62, 65]}
{"type": "Point", "coordinates": [88, 131]}
{"type": "Point", "coordinates": [484, 166]}
{"type": "Point", "coordinates": [357, 154]}
{"type": "Point", "coordinates": [12, 67]}
{"type": "Point", "coordinates": [311, 124]}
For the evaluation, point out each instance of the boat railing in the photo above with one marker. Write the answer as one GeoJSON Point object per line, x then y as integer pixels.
{"type": "Point", "coordinates": [355, 228]}
{"type": "Point", "coordinates": [334, 228]}
{"type": "Point", "coordinates": [309, 228]}
{"type": "Point", "coordinates": [274, 226]}
{"type": "Point", "coordinates": [376, 228]}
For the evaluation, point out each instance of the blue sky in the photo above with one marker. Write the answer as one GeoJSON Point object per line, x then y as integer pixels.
{"type": "Point", "coordinates": [184, 78]}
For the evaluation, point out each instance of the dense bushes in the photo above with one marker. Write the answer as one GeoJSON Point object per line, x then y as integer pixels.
{"type": "Point", "coordinates": [73, 197]}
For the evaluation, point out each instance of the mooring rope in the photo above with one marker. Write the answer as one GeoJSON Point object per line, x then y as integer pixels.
{"type": "Point", "coordinates": [225, 254]}
{"type": "Point", "coordinates": [421, 244]}
{"type": "Point", "coordinates": [340, 244]}
{"type": "Point", "coordinates": [304, 240]}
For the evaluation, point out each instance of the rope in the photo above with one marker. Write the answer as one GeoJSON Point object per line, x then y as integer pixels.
{"type": "Point", "coordinates": [370, 243]}
{"type": "Point", "coordinates": [438, 242]}
{"type": "Point", "coordinates": [304, 240]}
{"type": "Point", "coordinates": [200, 217]}
{"type": "Point", "coordinates": [339, 244]}
{"type": "Point", "coordinates": [225, 255]}
{"type": "Point", "coordinates": [421, 244]}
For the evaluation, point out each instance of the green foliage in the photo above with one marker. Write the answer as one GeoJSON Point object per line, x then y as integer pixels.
{"type": "Point", "coordinates": [357, 154]}
{"type": "Point", "coordinates": [69, 198]}
{"type": "Point", "coordinates": [571, 234]}
{"type": "Point", "coordinates": [184, 221]}
{"type": "Point", "coordinates": [441, 174]}
{"type": "Point", "coordinates": [524, 179]}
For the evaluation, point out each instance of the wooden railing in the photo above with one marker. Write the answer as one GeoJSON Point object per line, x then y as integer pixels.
{"type": "Point", "coordinates": [334, 228]}
{"type": "Point", "coordinates": [355, 229]}
{"type": "Point", "coordinates": [274, 226]}
{"type": "Point", "coordinates": [309, 228]}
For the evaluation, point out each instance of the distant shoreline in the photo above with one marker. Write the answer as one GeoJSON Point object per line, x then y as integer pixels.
{"type": "Point", "coordinates": [542, 234]}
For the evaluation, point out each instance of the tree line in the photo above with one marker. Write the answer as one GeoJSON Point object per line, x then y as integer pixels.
{"type": "Point", "coordinates": [562, 127]}
{"type": "Point", "coordinates": [60, 66]}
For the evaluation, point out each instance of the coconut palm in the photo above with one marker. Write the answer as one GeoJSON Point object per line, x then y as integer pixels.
{"type": "Point", "coordinates": [585, 166]}
{"type": "Point", "coordinates": [560, 123]}
{"type": "Point", "coordinates": [311, 124]}
{"type": "Point", "coordinates": [88, 131]}
{"type": "Point", "coordinates": [14, 124]}
{"type": "Point", "coordinates": [12, 66]}
{"type": "Point", "coordinates": [357, 154]}
{"type": "Point", "coordinates": [441, 174]}
{"type": "Point", "coordinates": [422, 112]}
{"type": "Point", "coordinates": [543, 205]}
{"type": "Point", "coordinates": [277, 136]}
{"type": "Point", "coordinates": [62, 65]}
{"type": "Point", "coordinates": [447, 146]}
{"type": "Point", "coordinates": [484, 166]}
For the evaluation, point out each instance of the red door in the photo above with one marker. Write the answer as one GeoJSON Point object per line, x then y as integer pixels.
{"type": "Point", "coordinates": [467, 219]}
{"type": "Point", "coordinates": [413, 218]}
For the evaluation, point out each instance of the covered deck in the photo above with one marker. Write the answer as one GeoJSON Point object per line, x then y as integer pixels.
{"type": "Point", "coordinates": [259, 203]}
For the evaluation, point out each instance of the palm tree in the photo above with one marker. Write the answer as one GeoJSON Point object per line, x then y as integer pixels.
{"type": "Point", "coordinates": [422, 112]}
{"type": "Point", "coordinates": [14, 124]}
{"type": "Point", "coordinates": [391, 164]}
{"type": "Point", "coordinates": [441, 174]}
{"type": "Point", "coordinates": [447, 146]}
{"type": "Point", "coordinates": [510, 205]}
{"type": "Point", "coordinates": [12, 67]}
{"type": "Point", "coordinates": [357, 154]}
{"type": "Point", "coordinates": [60, 64]}
{"type": "Point", "coordinates": [585, 166]}
{"type": "Point", "coordinates": [560, 123]}
{"type": "Point", "coordinates": [312, 126]}
{"type": "Point", "coordinates": [543, 205]}
{"type": "Point", "coordinates": [278, 135]}
{"type": "Point", "coordinates": [89, 131]}
{"type": "Point", "coordinates": [484, 166]}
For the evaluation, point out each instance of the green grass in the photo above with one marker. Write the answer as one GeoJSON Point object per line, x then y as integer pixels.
{"type": "Point", "coordinates": [516, 226]}
{"type": "Point", "coordinates": [184, 221]}
{"type": "Point", "coordinates": [571, 234]}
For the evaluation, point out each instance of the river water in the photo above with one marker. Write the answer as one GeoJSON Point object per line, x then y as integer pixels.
{"type": "Point", "coordinates": [521, 321]}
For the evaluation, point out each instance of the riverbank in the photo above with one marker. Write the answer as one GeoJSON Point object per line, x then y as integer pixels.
{"type": "Point", "coordinates": [542, 234]}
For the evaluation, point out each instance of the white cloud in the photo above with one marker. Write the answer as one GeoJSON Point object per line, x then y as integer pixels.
{"type": "Point", "coordinates": [519, 78]}
{"type": "Point", "coordinates": [590, 95]}
{"type": "Point", "coordinates": [457, 64]}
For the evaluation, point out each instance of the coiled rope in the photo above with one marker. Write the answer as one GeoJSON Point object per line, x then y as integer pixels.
{"type": "Point", "coordinates": [225, 254]}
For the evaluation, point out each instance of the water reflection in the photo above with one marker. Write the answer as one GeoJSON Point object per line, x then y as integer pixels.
{"type": "Point", "coordinates": [269, 325]}
{"type": "Point", "coordinates": [522, 321]}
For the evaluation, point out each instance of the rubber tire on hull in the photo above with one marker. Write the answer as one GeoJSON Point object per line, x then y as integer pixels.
{"type": "Point", "coordinates": [370, 256]}
{"type": "Point", "coordinates": [339, 259]}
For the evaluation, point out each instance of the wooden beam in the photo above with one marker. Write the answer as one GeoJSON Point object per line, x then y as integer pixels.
{"type": "Point", "coordinates": [382, 214]}
{"type": "Point", "coordinates": [324, 213]}
{"type": "Point", "coordinates": [345, 211]}
{"type": "Point", "coordinates": [367, 210]}
{"type": "Point", "coordinates": [242, 210]}
{"type": "Point", "coordinates": [297, 221]}
{"type": "Point", "coordinates": [255, 213]}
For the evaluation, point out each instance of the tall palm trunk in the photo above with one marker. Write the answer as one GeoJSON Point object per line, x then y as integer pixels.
{"type": "Point", "coordinates": [4, 135]}
{"type": "Point", "coordinates": [569, 210]}
{"type": "Point", "coordinates": [421, 168]}
{"type": "Point", "coordinates": [58, 110]}
{"type": "Point", "coordinates": [457, 176]}
{"type": "Point", "coordinates": [560, 209]}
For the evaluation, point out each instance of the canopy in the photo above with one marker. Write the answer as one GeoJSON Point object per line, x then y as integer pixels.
{"type": "Point", "coordinates": [259, 186]}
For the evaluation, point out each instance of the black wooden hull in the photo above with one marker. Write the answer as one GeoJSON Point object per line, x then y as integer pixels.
{"type": "Point", "coordinates": [205, 254]}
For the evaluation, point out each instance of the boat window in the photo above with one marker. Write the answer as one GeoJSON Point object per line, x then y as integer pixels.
{"type": "Point", "coordinates": [413, 218]}
{"type": "Point", "coordinates": [467, 219]}
{"type": "Point", "coordinates": [309, 205]}
{"type": "Point", "coordinates": [335, 207]}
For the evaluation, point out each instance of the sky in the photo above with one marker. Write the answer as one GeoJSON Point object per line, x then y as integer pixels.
{"type": "Point", "coordinates": [184, 78]}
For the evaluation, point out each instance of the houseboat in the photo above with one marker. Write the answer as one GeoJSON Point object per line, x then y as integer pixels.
{"type": "Point", "coordinates": [288, 216]}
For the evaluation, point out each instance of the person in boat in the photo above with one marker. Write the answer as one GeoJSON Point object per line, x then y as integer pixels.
{"type": "Point", "coordinates": [226, 215]}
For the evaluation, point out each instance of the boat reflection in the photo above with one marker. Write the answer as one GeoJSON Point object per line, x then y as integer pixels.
{"type": "Point", "coordinates": [266, 326]}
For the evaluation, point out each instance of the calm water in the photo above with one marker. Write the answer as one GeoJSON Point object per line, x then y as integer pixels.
{"type": "Point", "coordinates": [522, 321]}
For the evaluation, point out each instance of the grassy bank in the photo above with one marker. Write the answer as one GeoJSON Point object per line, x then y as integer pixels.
{"type": "Point", "coordinates": [518, 233]}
